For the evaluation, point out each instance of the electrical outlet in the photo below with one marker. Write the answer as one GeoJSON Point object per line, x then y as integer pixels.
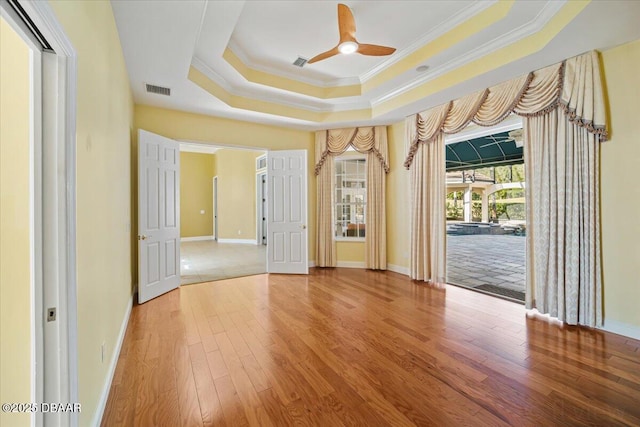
{"type": "Point", "coordinates": [239, 232]}
{"type": "Point", "coordinates": [102, 351]}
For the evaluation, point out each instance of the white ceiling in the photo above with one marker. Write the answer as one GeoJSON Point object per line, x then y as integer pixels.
{"type": "Point", "coordinates": [163, 39]}
{"type": "Point", "coordinates": [288, 29]}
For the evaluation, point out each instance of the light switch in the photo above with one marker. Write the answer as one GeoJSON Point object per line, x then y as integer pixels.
{"type": "Point", "coordinates": [201, 211]}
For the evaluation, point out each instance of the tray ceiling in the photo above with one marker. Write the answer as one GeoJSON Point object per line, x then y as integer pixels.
{"type": "Point", "coordinates": [234, 59]}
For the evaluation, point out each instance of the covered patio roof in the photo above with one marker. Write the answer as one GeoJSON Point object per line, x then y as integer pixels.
{"type": "Point", "coordinates": [490, 150]}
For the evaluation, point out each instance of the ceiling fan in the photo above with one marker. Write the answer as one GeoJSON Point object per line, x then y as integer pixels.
{"type": "Point", "coordinates": [348, 43]}
{"type": "Point", "coordinates": [514, 135]}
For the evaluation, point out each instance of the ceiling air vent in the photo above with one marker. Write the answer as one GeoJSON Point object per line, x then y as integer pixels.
{"type": "Point", "coordinates": [158, 89]}
{"type": "Point", "coordinates": [300, 62]}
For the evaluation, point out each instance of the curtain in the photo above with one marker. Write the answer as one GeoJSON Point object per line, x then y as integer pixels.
{"type": "Point", "coordinates": [325, 246]}
{"type": "Point", "coordinates": [376, 235]}
{"type": "Point", "coordinates": [564, 120]}
{"type": "Point", "coordinates": [563, 223]}
{"type": "Point", "coordinates": [428, 216]}
{"type": "Point", "coordinates": [371, 141]}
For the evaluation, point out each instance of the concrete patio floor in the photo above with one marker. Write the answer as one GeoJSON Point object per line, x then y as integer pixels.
{"type": "Point", "coordinates": [475, 260]}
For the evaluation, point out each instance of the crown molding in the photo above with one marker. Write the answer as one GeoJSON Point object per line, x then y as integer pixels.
{"type": "Point", "coordinates": [537, 24]}
{"type": "Point", "coordinates": [247, 93]}
{"type": "Point", "coordinates": [441, 29]}
{"type": "Point", "coordinates": [533, 26]}
{"type": "Point", "coordinates": [246, 60]}
{"type": "Point", "coordinates": [438, 31]}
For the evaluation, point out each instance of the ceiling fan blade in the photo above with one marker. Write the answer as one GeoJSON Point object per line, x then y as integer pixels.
{"type": "Point", "coordinates": [346, 23]}
{"type": "Point", "coordinates": [324, 55]}
{"type": "Point", "coordinates": [374, 50]}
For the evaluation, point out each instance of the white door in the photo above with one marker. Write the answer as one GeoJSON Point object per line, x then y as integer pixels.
{"type": "Point", "coordinates": [158, 215]}
{"type": "Point", "coordinates": [287, 212]}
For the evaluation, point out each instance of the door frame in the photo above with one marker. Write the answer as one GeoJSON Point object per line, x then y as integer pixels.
{"type": "Point", "coordinates": [260, 211]}
{"type": "Point", "coordinates": [215, 208]}
{"type": "Point", "coordinates": [53, 211]}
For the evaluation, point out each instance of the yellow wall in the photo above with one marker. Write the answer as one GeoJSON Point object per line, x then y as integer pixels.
{"type": "Point", "coordinates": [196, 194]}
{"type": "Point", "coordinates": [104, 126]}
{"type": "Point", "coordinates": [619, 189]}
{"type": "Point", "coordinates": [15, 276]}
{"type": "Point", "coordinates": [350, 252]}
{"type": "Point", "coordinates": [236, 170]}
{"type": "Point", "coordinates": [215, 130]}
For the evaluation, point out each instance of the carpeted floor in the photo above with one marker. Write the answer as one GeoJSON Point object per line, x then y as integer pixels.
{"type": "Point", "coordinates": [206, 261]}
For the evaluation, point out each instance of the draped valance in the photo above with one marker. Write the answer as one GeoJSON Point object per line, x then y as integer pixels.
{"type": "Point", "coordinates": [362, 139]}
{"type": "Point", "coordinates": [575, 85]}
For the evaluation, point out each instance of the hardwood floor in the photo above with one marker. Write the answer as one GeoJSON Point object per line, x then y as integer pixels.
{"type": "Point", "coordinates": [356, 347]}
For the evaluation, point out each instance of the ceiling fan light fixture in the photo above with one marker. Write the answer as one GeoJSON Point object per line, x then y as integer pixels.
{"type": "Point", "coordinates": [348, 43]}
{"type": "Point", "coordinates": [348, 47]}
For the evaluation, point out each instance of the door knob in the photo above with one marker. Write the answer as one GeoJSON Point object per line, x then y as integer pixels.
{"type": "Point", "coordinates": [304, 227]}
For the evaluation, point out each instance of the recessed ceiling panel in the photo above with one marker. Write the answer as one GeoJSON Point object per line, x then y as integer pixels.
{"type": "Point", "coordinates": [273, 37]}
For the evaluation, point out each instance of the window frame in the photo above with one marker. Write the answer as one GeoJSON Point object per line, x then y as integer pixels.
{"type": "Point", "coordinates": [349, 155]}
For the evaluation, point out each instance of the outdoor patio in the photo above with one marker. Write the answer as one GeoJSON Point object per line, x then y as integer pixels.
{"type": "Point", "coordinates": [492, 263]}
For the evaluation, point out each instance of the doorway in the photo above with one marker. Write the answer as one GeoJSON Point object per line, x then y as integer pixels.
{"type": "Point", "coordinates": [485, 208]}
{"type": "Point", "coordinates": [261, 211]}
{"type": "Point", "coordinates": [220, 201]}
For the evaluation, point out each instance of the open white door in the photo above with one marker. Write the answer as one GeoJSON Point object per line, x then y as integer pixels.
{"type": "Point", "coordinates": [287, 212]}
{"type": "Point", "coordinates": [158, 215]}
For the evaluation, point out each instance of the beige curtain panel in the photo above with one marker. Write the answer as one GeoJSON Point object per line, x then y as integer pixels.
{"type": "Point", "coordinates": [428, 213]}
{"type": "Point", "coordinates": [563, 219]}
{"type": "Point", "coordinates": [564, 120]}
{"type": "Point", "coordinates": [371, 141]}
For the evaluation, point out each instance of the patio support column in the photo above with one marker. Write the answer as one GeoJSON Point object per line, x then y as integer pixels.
{"type": "Point", "coordinates": [467, 204]}
{"type": "Point", "coordinates": [485, 206]}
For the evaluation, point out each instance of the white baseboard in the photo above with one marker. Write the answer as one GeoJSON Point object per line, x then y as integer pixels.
{"type": "Point", "coordinates": [196, 238]}
{"type": "Point", "coordinates": [351, 264]}
{"type": "Point", "coordinates": [242, 241]}
{"type": "Point", "coordinates": [620, 328]}
{"type": "Point", "coordinates": [360, 264]}
{"type": "Point", "coordinates": [398, 269]}
{"type": "Point", "coordinates": [102, 403]}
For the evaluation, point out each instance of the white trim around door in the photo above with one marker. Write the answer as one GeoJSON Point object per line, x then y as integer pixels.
{"type": "Point", "coordinates": [54, 343]}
